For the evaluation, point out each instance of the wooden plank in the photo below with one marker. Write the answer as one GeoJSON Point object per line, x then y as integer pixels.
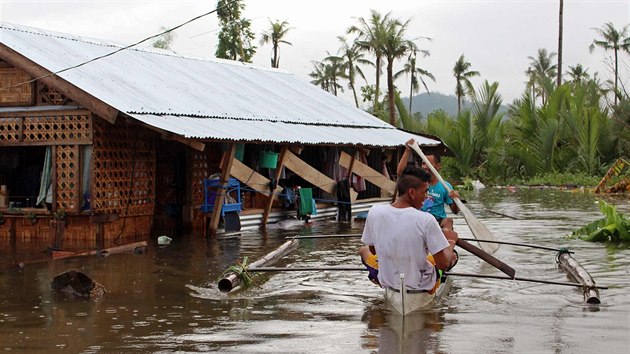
{"type": "Point", "coordinates": [226, 166]}
{"type": "Point", "coordinates": [368, 173]}
{"type": "Point", "coordinates": [309, 173]}
{"type": "Point", "coordinates": [253, 179]}
{"type": "Point", "coordinates": [272, 197]}
{"type": "Point", "coordinates": [67, 89]}
{"type": "Point", "coordinates": [197, 145]}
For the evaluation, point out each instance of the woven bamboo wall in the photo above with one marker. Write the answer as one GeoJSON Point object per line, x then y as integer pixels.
{"type": "Point", "coordinates": [13, 90]}
{"type": "Point", "coordinates": [46, 128]}
{"type": "Point", "coordinates": [68, 187]}
{"type": "Point", "coordinates": [204, 163]}
{"type": "Point", "coordinates": [121, 153]}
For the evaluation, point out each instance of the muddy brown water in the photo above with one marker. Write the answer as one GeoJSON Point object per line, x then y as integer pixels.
{"type": "Point", "coordinates": [167, 300]}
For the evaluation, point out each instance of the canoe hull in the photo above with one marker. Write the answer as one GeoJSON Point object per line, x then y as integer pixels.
{"type": "Point", "coordinates": [414, 301]}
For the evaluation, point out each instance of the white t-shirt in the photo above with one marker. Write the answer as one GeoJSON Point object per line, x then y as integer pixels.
{"type": "Point", "coordinates": [403, 237]}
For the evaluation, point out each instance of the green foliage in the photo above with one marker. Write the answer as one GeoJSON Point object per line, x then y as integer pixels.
{"type": "Point", "coordinates": [275, 35]}
{"type": "Point", "coordinates": [558, 179]}
{"type": "Point", "coordinates": [240, 269]}
{"type": "Point", "coordinates": [613, 227]}
{"type": "Point", "coordinates": [236, 36]}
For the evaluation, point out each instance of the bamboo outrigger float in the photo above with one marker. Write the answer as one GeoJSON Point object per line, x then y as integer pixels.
{"type": "Point", "coordinates": [577, 272]}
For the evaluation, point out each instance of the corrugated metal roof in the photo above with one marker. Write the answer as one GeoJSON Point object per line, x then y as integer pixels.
{"type": "Point", "coordinates": [148, 84]}
{"type": "Point", "coordinates": [279, 132]}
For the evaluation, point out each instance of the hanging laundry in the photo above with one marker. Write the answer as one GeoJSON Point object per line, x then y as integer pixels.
{"type": "Point", "coordinates": [344, 206]}
{"type": "Point", "coordinates": [306, 202]}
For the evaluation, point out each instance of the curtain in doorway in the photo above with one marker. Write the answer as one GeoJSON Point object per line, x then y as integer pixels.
{"type": "Point", "coordinates": [45, 190]}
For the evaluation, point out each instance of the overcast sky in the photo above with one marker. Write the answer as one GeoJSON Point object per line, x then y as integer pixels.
{"type": "Point", "coordinates": [496, 36]}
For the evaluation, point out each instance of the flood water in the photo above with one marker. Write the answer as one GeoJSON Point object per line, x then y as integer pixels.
{"type": "Point", "coordinates": [167, 300]}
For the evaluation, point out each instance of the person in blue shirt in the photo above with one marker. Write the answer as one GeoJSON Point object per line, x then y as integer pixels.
{"type": "Point", "coordinates": [437, 196]}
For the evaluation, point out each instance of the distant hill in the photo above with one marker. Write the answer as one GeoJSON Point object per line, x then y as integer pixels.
{"type": "Point", "coordinates": [426, 103]}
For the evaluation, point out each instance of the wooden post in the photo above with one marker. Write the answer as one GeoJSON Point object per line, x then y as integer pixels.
{"type": "Point", "coordinates": [100, 220]}
{"type": "Point", "coordinates": [354, 158]}
{"type": "Point", "coordinates": [272, 196]}
{"type": "Point", "coordinates": [226, 166]}
{"type": "Point", "coordinates": [100, 236]}
{"type": "Point", "coordinates": [12, 233]}
{"type": "Point", "coordinates": [57, 228]}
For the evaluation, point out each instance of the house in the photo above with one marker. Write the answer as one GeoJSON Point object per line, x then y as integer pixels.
{"type": "Point", "coordinates": [116, 142]}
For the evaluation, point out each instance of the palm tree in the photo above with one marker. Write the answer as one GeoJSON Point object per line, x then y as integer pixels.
{"type": "Point", "coordinates": [578, 74]}
{"type": "Point", "coordinates": [370, 34]}
{"type": "Point", "coordinates": [462, 74]}
{"type": "Point", "coordinates": [326, 74]}
{"type": "Point", "coordinates": [395, 46]}
{"type": "Point", "coordinates": [559, 78]}
{"type": "Point", "coordinates": [275, 35]}
{"type": "Point", "coordinates": [350, 57]}
{"type": "Point", "coordinates": [416, 75]}
{"type": "Point", "coordinates": [613, 39]}
{"type": "Point", "coordinates": [543, 71]}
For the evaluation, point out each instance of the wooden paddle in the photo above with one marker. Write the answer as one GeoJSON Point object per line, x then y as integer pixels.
{"type": "Point", "coordinates": [490, 259]}
{"type": "Point", "coordinates": [477, 228]}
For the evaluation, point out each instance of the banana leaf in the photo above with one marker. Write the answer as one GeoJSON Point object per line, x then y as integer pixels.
{"type": "Point", "coordinates": [612, 227]}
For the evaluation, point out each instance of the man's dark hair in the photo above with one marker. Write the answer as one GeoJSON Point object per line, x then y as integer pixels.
{"type": "Point", "coordinates": [411, 177]}
{"type": "Point", "coordinates": [436, 156]}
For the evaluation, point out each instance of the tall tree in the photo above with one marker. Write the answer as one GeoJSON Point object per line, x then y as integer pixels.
{"type": "Point", "coordinates": [327, 73]}
{"type": "Point", "coordinates": [611, 38]}
{"type": "Point", "coordinates": [165, 40]}
{"type": "Point", "coordinates": [416, 74]}
{"type": "Point", "coordinates": [462, 74]}
{"type": "Point", "coordinates": [370, 34]}
{"type": "Point", "coordinates": [350, 56]}
{"type": "Point", "coordinates": [578, 74]}
{"type": "Point", "coordinates": [560, 16]}
{"type": "Point", "coordinates": [543, 71]}
{"type": "Point", "coordinates": [395, 46]}
{"type": "Point", "coordinates": [275, 35]}
{"type": "Point", "coordinates": [236, 36]}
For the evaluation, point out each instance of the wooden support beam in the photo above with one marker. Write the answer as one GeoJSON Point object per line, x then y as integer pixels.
{"type": "Point", "coordinates": [86, 100]}
{"type": "Point", "coordinates": [368, 173]}
{"type": "Point", "coordinates": [272, 197]}
{"type": "Point", "coordinates": [195, 144]}
{"type": "Point", "coordinates": [309, 173]}
{"type": "Point", "coordinates": [251, 178]}
{"type": "Point", "coordinates": [226, 166]}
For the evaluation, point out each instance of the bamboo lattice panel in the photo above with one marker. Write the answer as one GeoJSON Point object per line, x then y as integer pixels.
{"type": "Point", "coordinates": [46, 128]}
{"type": "Point", "coordinates": [121, 151]}
{"type": "Point", "coordinates": [9, 130]}
{"type": "Point", "coordinates": [199, 172]}
{"type": "Point", "coordinates": [11, 92]}
{"type": "Point", "coordinates": [61, 128]}
{"type": "Point", "coordinates": [68, 172]}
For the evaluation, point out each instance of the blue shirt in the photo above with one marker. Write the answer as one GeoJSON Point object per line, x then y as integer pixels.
{"type": "Point", "coordinates": [437, 196]}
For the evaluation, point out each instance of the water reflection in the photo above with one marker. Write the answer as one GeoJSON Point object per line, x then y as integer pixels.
{"type": "Point", "coordinates": [166, 300]}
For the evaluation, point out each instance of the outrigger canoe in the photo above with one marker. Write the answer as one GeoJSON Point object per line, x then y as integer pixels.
{"type": "Point", "coordinates": [407, 301]}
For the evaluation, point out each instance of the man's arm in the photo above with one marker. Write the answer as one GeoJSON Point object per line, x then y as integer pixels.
{"type": "Point", "coordinates": [405, 158]}
{"type": "Point", "coordinates": [451, 203]}
{"type": "Point", "coordinates": [443, 258]}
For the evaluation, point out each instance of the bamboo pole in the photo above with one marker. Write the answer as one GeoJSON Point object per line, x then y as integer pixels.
{"type": "Point", "coordinates": [131, 247]}
{"type": "Point", "coordinates": [577, 272]}
{"type": "Point", "coordinates": [454, 274]}
{"type": "Point", "coordinates": [226, 166]}
{"type": "Point", "coordinates": [231, 280]}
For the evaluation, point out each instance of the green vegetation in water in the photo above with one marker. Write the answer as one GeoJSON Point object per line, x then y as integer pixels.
{"type": "Point", "coordinates": [560, 179]}
{"type": "Point", "coordinates": [240, 269]}
{"type": "Point", "coordinates": [612, 227]}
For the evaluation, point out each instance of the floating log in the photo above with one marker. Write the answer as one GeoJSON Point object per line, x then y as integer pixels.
{"type": "Point", "coordinates": [77, 284]}
{"type": "Point", "coordinates": [137, 247]}
{"type": "Point", "coordinates": [231, 280]}
{"type": "Point", "coordinates": [575, 270]}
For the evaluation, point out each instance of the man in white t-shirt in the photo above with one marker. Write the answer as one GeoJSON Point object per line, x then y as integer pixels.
{"type": "Point", "coordinates": [402, 237]}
